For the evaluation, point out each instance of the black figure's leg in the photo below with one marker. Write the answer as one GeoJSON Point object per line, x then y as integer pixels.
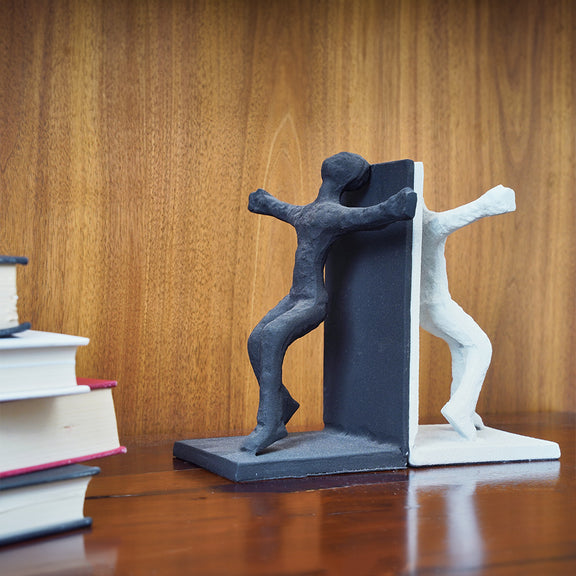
{"type": "Point", "coordinates": [255, 343]}
{"type": "Point", "coordinates": [255, 339]}
{"type": "Point", "coordinates": [276, 405]}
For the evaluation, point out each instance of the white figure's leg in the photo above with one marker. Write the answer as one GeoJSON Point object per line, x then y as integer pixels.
{"type": "Point", "coordinates": [459, 356]}
{"type": "Point", "coordinates": [471, 352]}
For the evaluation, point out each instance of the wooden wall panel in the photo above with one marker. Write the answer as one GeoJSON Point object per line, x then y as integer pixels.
{"type": "Point", "coordinates": [131, 133]}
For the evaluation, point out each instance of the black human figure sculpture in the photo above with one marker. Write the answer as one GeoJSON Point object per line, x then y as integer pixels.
{"type": "Point", "coordinates": [317, 225]}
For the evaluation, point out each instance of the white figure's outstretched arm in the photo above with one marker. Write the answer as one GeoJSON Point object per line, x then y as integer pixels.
{"type": "Point", "coordinates": [262, 202]}
{"type": "Point", "coordinates": [497, 200]}
{"type": "Point", "coordinates": [401, 206]}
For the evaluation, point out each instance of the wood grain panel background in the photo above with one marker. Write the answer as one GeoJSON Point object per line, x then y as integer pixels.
{"type": "Point", "coordinates": [131, 133]}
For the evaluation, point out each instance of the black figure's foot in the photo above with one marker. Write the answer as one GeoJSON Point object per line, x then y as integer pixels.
{"type": "Point", "coordinates": [262, 437]}
{"type": "Point", "coordinates": [289, 407]}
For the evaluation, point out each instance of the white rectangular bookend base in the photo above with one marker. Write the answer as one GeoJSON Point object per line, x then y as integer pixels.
{"type": "Point", "coordinates": [440, 444]}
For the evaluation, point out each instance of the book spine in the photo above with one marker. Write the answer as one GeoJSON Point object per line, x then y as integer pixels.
{"type": "Point", "coordinates": [55, 529]}
{"type": "Point", "coordinates": [17, 471]}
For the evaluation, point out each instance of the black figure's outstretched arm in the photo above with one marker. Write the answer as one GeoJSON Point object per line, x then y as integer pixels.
{"type": "Point", "coordinates": [401, 206]}
{"type": "Point", "coordinates": [262, 202]}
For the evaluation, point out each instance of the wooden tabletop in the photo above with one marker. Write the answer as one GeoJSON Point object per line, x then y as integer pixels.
{"type": "Point", "coordinates": [156, 515]}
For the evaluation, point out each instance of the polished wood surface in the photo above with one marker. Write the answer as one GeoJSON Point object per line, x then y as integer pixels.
{"type": "Point", "coordinates": [156, 515]}
{"type": "Point", "coordinates": [132, 132]}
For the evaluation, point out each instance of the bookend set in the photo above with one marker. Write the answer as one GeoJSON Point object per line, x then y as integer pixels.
{"type": "Point", "coordinates": [369, 264]}
{"type": "Point", "coordinates": [50, 420]}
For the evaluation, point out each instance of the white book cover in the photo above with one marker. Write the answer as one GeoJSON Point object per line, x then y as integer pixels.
{"type": "Point", "coordinates": [37, 364]}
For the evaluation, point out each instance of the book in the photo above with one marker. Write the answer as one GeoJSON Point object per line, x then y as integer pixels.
{"type": "Point", "coordinates": [45, 502]}
{"type": "Point", "coordinates": [40, 433]}
{"type": "Point", "coordinates": [9, 323]}
{"type": "Point", "coordinates": [37, 364]}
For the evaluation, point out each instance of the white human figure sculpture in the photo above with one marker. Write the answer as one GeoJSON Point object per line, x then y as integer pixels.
{"type": "Point", "coordinates": [469, 346]}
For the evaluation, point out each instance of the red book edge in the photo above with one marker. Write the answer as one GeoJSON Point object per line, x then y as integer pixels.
{"type": "Point", "coordinates": [94, 385]}
{"type": "Point", "coordinates": [47, 465]}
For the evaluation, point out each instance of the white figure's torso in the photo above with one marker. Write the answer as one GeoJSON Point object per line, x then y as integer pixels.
{"type": "Point", "coordinates": [434, 278]}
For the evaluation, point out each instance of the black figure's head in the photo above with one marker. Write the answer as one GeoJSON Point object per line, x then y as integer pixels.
{"type": "Point", "coordinates": [345, 171]}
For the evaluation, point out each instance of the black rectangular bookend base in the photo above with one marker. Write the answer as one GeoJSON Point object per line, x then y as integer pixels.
{"type": "Point", "coordinates": [296, 456]}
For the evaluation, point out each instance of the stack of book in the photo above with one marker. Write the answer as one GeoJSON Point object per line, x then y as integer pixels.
{"type": "Point", "coordinates": [49, 421]}
{"type": "Point", "coordinates": [9, 323]}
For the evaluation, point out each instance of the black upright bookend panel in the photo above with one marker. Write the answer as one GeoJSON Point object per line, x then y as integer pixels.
{"type": "Point", "coordinates": [367, 331]}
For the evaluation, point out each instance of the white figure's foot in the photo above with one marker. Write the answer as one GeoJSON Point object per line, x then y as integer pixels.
{"type": "Point", "coordinates": [478, 422]}
{"type": "Point", "coordinates": [462, 423]}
